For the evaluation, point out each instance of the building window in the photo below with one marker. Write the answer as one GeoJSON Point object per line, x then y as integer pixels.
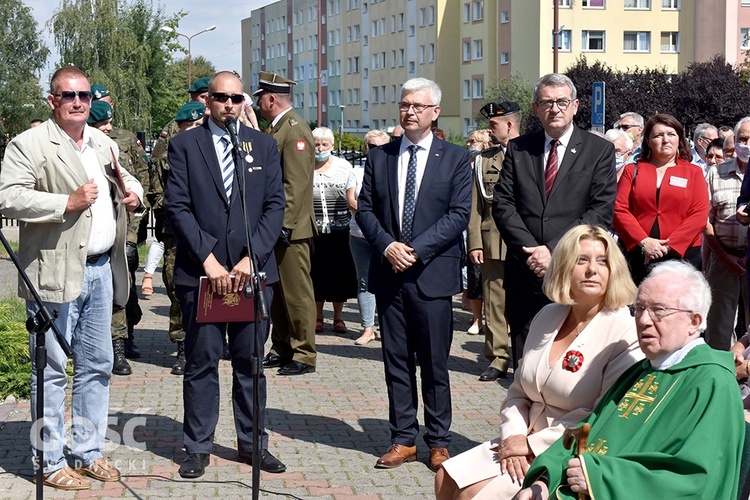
{"type": "Point", "coordinates": [467, 51]}
{"type": "Point", "coordinates": [431, 53]}
{"type": "Point", "coordinates": [401, 22]}
{"type": "Point", "coordinates": [412, 67]}
{"type": "Point", "coordinates": [566, 4]}
{"type": "Point", "coordinates": [637, 41]}
{"type": "Point", "coordinates": [505, 17]}
{"type": "Point", "coordinates": [563, 41]}
{"type": "Point", "coordinates": [422, 54]}
{"type": "Point", "coordinates": [477, 11]}
{"type": "Point", "coordinates": [467, 89]}
{"type": "Point", "coordinates": [467, 12]}
{"type": "Point", "coordinates": [592, 41]}
{"type": "Point", "coordinates": [412, 30]}
{"type": "Point", "coordinates": [478, 49]}
{"type": "Point", "coordinates": [431, 15]}
{"type": "Point", "coordinates": [401, 58]}
{"type": "Point", "coordinates": [478, 86]}
{"type": "Point", "coordinates": [504, 58]}
{"type": "Point", "coordinates": [745, 38]}
{"type": "Point", "coordinates": [672, 4]}
{"type": "Point", "coordinates": [422, 17]}
{"type": "Point", "coordinates": [670, 42]}
{"type": "Point", "coordinates": [745, 3]}
{"type": "Point", "coordinates": [592, 4]}
{"type": "Point", "coordinates": [638, 4]}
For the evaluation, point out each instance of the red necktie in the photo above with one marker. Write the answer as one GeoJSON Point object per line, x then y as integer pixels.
{"type": "Point", "coordinates": [550, 172]}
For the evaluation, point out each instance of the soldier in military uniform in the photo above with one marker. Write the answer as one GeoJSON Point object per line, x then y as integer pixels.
{"type": "Point", "coordinates": [133, 158]}
{"type": "Point", "coordinates": [198, 92]}
{"type": "Point", "coordinates": [293, 306]}
{"type": "Point", "coordinates": [483, 238]}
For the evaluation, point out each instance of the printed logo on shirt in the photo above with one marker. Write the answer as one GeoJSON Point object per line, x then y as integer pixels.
{"type": "Point", "coordinates": [301, 145]}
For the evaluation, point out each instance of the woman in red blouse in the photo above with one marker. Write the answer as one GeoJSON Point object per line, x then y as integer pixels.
{"type": "Point", "coordinates": [661, 208]}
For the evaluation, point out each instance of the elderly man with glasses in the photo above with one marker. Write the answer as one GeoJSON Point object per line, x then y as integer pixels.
{"type": "Point", "coordinates": [672, 425]}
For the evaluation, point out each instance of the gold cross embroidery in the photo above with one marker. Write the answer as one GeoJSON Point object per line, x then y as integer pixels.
{"type": "Point", "coordinates": [635, 400]}
{"type": "Point", "coordinates": [598, 448]}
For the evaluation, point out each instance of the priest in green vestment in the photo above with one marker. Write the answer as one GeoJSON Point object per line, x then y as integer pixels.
{"type": "Point", "coordinates": [672, 426]}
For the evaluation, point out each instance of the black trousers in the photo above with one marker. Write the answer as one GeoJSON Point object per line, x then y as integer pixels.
{"type": "Point", "coordinates": [412, 323]}
{"type": "Point", "coordinates": [520, 309]}
{"type": "Point", "coordinates": [200, 385]}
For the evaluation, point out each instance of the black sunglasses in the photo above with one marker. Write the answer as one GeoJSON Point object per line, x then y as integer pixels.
{"type": "Point", "coordinates": [222, 97]}
{"type": "Point", "coordinates": [70, 96]}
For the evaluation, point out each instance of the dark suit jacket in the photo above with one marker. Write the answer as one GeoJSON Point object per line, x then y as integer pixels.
{"type": "Point", "coordinates": [197, 208]}
{"type": "Point", "coordinates": [440, 215]}
{"type": "Point", "coordinates": [583, 193]}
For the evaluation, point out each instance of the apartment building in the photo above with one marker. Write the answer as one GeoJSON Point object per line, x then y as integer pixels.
{"type": "Point", "coordinates": [351, 56]}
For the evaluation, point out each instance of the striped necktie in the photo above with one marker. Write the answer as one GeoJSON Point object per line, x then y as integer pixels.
{"type": "Point", "coordinates": [227, 167]}
{"type": "Point", "coordinates": [550, 172]}
{"type": "Point", "coordinates": [407, 219]}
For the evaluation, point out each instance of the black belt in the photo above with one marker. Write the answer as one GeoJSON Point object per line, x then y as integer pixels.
{"type": "Point", "coordinates": [93, 259]}
{"type": "Point", "coordinates": [737, 252]}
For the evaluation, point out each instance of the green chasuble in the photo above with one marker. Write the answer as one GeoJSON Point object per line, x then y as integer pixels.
{"type": "Point", "coordinates": [661, 434]}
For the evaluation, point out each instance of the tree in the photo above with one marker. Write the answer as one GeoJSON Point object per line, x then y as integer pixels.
{"type": "Point", "coordinates": [22, 57]}
{"type": "Point", "coordinates": [514, 88]}
{"type": "Point", "coordinates": [119, 44]}
{"type": "Point", "coordinates": [172, 90]}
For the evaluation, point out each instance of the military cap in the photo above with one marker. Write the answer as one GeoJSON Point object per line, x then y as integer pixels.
{"type": "Point", "coordinates": [271, 82]}
{"type": "Point", "coordinates": [492, 109]}
{"type": "Point", "coordinates": [200, 85]}
{"type": "Point", "coordinates": [190, 112]}
{"type": "Point", "coordinates": [98, 91]}
{"type": "Point", "coordinates": [100, 111]}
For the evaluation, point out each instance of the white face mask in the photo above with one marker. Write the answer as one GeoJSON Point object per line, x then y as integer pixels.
{"type": "Point", "coordinates": [322, 155]}
{"type": "Point", "coordinates": [742, 152]}
{"type": "Point", "coordinates": [473, 150]}
{"type": "Point", "coordinates": [619, 162]}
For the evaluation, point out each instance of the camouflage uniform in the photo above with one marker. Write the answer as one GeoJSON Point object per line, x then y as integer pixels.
{"type": "Point", "coordinates": [163, 232]}
{"type": "Point", "coordinates": [133, 158]}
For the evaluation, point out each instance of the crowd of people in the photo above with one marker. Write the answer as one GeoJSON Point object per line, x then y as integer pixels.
{"type": "Point", "coordinates": [607, 270]}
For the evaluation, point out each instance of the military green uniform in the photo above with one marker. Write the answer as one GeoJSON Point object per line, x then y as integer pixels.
{"type": "Point", "coordinates": [293, 307]}
{"type": "Point", "coordinates": [133, 158]}
{"type": "Point", "coordinates": [482, 234]}
{"type": "Point", "coordinates": [159, 169]}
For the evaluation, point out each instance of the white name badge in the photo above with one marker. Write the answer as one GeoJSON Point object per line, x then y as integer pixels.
{"type": "Point", "coordinates": [679, 182]}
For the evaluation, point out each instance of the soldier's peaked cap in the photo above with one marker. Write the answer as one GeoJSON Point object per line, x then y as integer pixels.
{"type": "Point", "coordinates": [492, 109]}
{"type": "Point", "coordinates": [271, 82]}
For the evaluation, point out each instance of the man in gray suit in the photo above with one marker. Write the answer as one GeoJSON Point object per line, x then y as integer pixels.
{"type": "Point", "coordinates": [59, 179]}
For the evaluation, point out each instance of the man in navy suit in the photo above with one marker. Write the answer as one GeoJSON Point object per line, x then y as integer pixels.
{"type": "Point", "coordinates": [414, 204]}
{"type": "Point", "coordinates": [203, 205]}
{"type": "Point", "coordinates": [543, 191]}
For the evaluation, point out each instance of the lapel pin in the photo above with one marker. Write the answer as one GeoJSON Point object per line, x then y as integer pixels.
{"type": "Point", "coordinates": [248, 158]}
{"type": "Point", "coordinates": [573, 150]}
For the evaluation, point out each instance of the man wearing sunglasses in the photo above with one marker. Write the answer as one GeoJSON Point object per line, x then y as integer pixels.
{"type": "Point", "coordinates": [204, 199]}
{"type": "Point", "coordinates": [632, 123]}
{"type": "Point", "coordinates": [59, 178]}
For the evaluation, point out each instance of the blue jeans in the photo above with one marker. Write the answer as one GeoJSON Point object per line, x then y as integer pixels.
{"type": "Point", "coordinates": [85, 324]}
{"type": "Point", "coordinates": [362, 253]}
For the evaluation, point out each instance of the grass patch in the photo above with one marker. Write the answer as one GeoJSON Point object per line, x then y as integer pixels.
{"type": "Point", "coordinates": [15, 364]}
{"type": "Point", "coordinates": [4, 253]}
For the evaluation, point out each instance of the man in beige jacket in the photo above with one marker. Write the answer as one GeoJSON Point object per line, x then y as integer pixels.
{"type": "Point", "coordinates": [59, 179]}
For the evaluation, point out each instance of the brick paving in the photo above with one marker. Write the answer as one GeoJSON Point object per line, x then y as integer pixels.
{"type": "Point", "coordinates": [329, 427]}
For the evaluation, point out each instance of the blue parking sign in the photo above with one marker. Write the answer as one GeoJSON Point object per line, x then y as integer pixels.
{"type": "Point", "coordinates": [597, 104]}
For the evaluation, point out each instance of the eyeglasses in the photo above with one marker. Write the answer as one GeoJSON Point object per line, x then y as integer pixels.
{"type": "Point", "coordinates": [418, 108]}
{"type": "Point", "coordinates": [657, 313]}
{"type": "Point", "coordinates": [625, 128]}
{"type": "Point", "coordinates": [67, 96]}
{"type": "Point", "coordinates": [547, 104]}
{"type": "Point", "coordinates": [222, 97]}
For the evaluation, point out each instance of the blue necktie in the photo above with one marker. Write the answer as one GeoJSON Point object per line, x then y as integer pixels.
{"type": "Point", "coordinates": [407, 218]}
{"type": "Point", "coordinates": [227, 167]}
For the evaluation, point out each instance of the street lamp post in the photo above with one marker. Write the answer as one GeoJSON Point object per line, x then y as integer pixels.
{"type": "Point", "coordinates": [341, 126]}
{"type": "Point", "coordinates": [169, 29]}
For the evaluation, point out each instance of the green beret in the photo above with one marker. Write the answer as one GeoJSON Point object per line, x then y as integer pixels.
{"type": "Point", "coordinates": [200, 85]}
{"type": "Point", "coordinates": [100, 111]}
{"type": "Point", "coordinates": [99, 91]}
{"type": "Point", "coordinates": [190, 112]}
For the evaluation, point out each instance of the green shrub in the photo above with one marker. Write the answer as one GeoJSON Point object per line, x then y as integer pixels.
{"type": "Point", "coordinates": [15, 364]}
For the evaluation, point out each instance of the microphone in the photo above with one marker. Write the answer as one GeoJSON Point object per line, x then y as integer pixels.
{"type": "Point", "coordinates": [230, 123]}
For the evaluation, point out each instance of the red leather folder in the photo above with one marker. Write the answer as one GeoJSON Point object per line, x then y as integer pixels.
{"type": "Point", "coordinates": [229, 308]}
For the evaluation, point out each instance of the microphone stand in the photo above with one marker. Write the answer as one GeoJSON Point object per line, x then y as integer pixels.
{"type": "Point", "coordinates": [38, 324]}
{"type": "Point", "coordinates": [254, 289]}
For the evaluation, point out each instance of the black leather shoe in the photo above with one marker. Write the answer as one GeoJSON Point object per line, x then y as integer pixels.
{"type": "Point", "coordinates": [179, 364]}
{"type": "Point", "coordinates": [271, 360]}
{"type": "Point", "coordinates": [194, 465]}
{"type": "Point", "coordinates": [492, 374]}
{"type": "Point", "coordinates": [132, 351]}
{"type": "Point", "coordinates": [120, 366]}
{"type": "Point", "coordinates": [268, 462]}
{"type": "Point", "coordinates": [296, 368]}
